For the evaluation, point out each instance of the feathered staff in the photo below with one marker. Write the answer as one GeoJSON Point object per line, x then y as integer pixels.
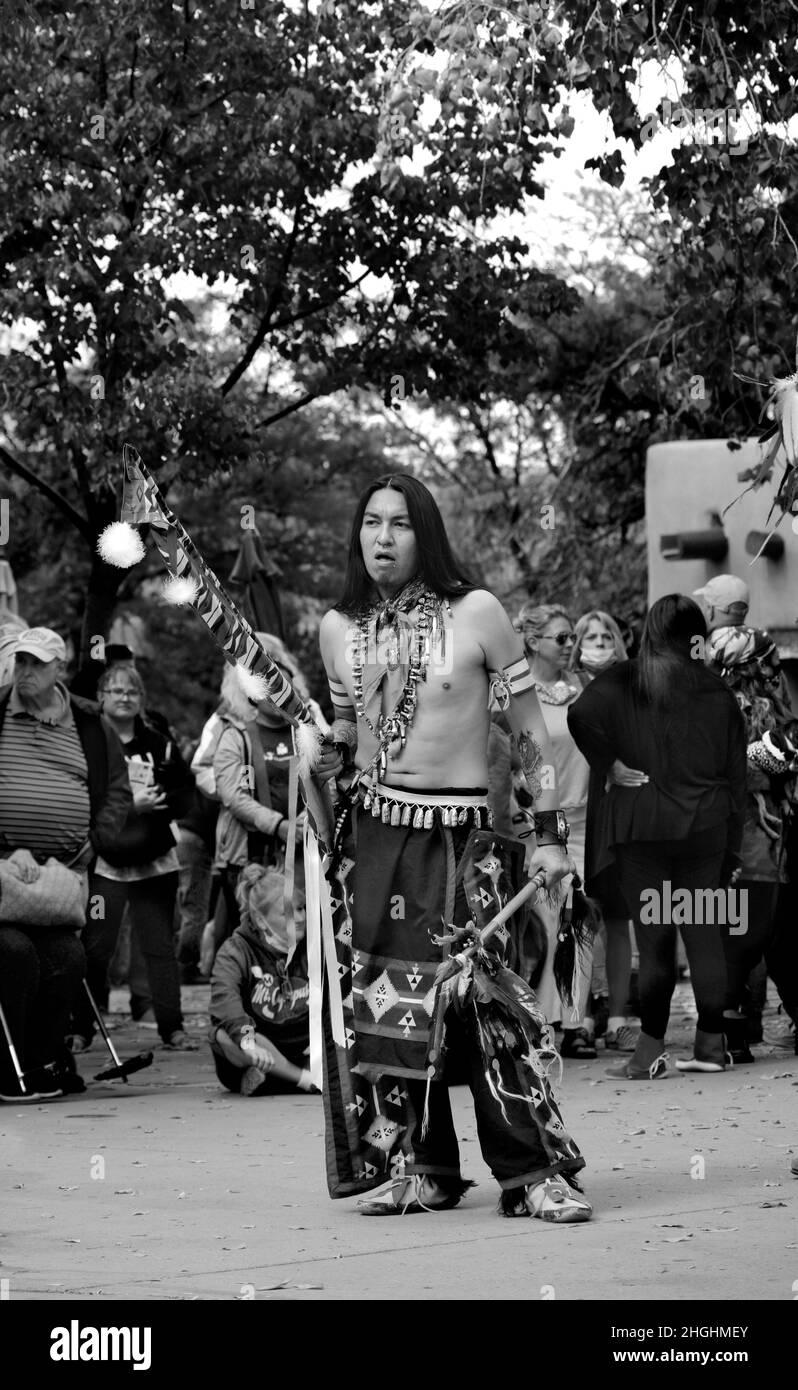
{"type": "Point", "coordinates": [781, 409]}
{"type": "Point", "coordinates": [194, 583]}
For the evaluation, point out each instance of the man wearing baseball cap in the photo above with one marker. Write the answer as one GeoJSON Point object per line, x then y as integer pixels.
{"type": "Point", "coordinates": [64, 794]}
{"type": "Point", "coordinates": [725, 600]}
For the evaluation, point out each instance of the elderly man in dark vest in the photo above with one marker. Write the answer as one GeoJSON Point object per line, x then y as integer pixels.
{"type": "Point", "coordinates": [64, 793]}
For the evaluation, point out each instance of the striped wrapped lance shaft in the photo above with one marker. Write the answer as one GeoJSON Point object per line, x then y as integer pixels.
{"type": "Point", "coordinates": [143, 505]}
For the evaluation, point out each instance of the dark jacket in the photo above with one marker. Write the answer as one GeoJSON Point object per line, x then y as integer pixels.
{"type": "Point", "coordinates": [251, 984]}
{"type": "Point", "coordinates": [145, 837]}
{"type": "Point", "coordinates": [695, 758]}
{"type": "Point", "coordinates": [109, 787]}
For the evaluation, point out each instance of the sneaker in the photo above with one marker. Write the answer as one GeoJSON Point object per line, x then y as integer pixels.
{"type": "Point", "coordinates": [252, 1080]}
{"type": "Point", "coordinates": [576, 1042]}
{"type": "Point", "coordinates": [623, 1039]}
{"type": "Point", "coordinates": [179, 1041]}
{"type": "Point", "coordinates": [556, 1199]}
{"type": "Point", "coordinates": [31, 1096]}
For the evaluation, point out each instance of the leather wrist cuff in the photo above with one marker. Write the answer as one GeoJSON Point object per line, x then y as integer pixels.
{"type": "Point", "coordinates": [551, 828]}
{"type": "Point", "coordinates": [343, 735]}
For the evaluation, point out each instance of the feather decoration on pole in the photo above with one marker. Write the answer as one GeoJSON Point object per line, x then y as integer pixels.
{"type": "Point", "coordinates": [193, 583]}
{"type": "Point", "coordinates": [143, 505]}
{"type": "Point", "coordinates": [781, 433]}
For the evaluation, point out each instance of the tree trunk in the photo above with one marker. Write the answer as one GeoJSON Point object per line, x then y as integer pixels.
{"type": "Point", "coordinates": [105, 582]}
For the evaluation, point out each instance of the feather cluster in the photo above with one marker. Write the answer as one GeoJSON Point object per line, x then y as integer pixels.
{"type": "Point", "coordinates": [574, 938]}
{"type": "Point", "coordinates": [254, 686]}
{"type": "Point", "coordinates": [120, 545]}
{"type": "Point", "coordinates": [180, 591]}
{"type": "Point", "coordinates": [307, 739]}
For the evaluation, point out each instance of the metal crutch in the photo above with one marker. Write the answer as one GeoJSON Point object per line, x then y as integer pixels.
{"type": "Point", "coordinates": [120, 1068]}
{"type": "Point", "coordinates": [14, 1058]}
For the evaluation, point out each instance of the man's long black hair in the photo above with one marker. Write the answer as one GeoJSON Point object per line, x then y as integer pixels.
{"type": "Point", "coordinates": [437, 565]}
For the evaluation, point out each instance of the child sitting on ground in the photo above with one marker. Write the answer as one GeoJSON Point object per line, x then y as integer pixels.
{"type": "Point", "coordinates": [260, 1017]}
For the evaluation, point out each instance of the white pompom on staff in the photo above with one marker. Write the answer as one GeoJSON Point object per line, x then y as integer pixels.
{"type": "Point", "coordinates": [190, 581]}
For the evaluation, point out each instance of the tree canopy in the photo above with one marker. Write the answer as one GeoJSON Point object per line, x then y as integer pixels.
{"type": "Point", "coordinates": [214, 218]}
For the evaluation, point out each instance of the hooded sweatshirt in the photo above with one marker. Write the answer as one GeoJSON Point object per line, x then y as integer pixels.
{"type": "Point", "coordinates": [253, 984]}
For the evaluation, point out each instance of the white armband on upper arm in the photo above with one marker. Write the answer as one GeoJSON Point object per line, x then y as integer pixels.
{"type": "Point", "coordinates": [512, 680]}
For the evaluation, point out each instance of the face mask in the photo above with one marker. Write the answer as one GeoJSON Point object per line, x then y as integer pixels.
{"type": "Point", "coordinates": [597, 660]}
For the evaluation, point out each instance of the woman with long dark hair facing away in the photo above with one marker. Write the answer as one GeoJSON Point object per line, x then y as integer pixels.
{"type": "Point", "coordinates": [669, 736]}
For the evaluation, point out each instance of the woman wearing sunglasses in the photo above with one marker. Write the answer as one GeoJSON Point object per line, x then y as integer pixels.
{"type": "Point", "coordinates": [548, 636]}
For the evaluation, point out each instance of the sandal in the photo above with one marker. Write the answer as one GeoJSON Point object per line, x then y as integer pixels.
{"type": "Point", "coordinates": [402, 1197]}
{"type": "Point", "coordinates": [657, 1071]}
{"type": "Point", "coordinates": [555, 1199]}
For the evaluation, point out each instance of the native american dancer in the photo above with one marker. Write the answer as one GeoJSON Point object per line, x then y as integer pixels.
{"type": "Point", "coordinates": [414, 653]}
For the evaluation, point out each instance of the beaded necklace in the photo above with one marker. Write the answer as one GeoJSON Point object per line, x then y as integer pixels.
{"type": "Point", "coordinates": [429, 628]}
{"type": "Point", "coordinates": [560, 693]}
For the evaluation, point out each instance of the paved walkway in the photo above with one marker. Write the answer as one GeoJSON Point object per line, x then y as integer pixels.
{"type": "Point", "coordinates": [170, 1188]}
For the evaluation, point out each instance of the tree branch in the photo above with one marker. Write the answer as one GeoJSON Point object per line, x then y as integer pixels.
{"type": "Point", "coordinates": [317, 308]}
{"type": "Point", "coordinates": [297, 405]}
{"type": "Point", "coordinates": [424, 444]}
{"type": "Point", "coordinates": [271, 304]}
{"type": "Point", "coordinates": [20, 470]}
{"type": "Point", "coordinates": [484, 435]}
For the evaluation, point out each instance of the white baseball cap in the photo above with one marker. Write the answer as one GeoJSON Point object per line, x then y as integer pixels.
{"type": "Point", "coordinates": [725, 591]}
{"type": "Point", "coordinates": [41, 642]}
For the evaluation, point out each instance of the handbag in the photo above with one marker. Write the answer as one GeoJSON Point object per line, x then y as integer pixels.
{"type": "Point", "coordinates": [58, 898]}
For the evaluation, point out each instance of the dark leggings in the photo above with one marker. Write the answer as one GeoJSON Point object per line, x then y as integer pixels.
{"type": "Point", "coordinates": [746, 950]}
{"type": "Point", "coordinates": [152, 910]}
{"type": "Point", "coordinates": [692, 864]}
{"type": "Point", "coordinates": [40, 977]}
